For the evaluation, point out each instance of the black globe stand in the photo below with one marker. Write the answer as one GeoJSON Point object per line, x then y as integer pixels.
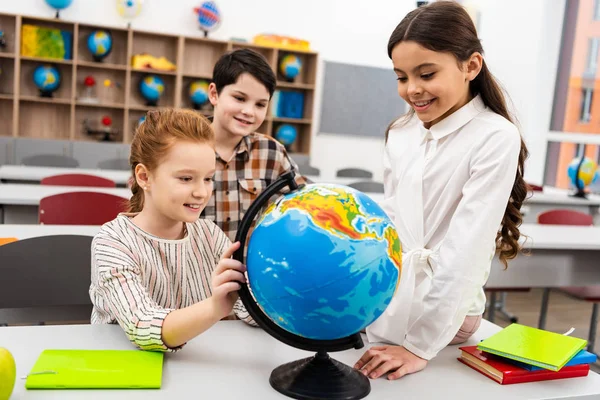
{"type": "Point", "coordinates": [317, 377]}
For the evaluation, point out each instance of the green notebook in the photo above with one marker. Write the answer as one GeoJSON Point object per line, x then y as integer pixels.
{"type": "Point", "coordinates": [533, 346]}
{"type": "Point", "coordinates": [96, 369]}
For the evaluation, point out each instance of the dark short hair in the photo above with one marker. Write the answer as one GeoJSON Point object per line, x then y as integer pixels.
{"type": "Point", "coordinates": [234, 63]}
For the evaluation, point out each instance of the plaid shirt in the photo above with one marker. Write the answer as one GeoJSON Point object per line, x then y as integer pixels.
{"type": "Point", "coordinates": [259, 160]}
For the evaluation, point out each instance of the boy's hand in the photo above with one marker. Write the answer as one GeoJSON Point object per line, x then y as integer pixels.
{"type": "Point", "coordinates": [379, 360]}
{"type": "Point", "coordinates": [225, 282]}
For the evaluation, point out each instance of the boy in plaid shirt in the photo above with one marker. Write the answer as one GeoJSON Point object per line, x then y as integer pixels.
{"type": "Point", "coordinates": [247, 162]}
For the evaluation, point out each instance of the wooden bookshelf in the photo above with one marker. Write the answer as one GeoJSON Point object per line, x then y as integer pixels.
{"type": "Point", "coordinates": [26, 114]}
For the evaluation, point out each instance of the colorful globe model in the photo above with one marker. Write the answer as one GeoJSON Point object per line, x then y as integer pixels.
{"type": "Point", "coordinates": [286, 134]}
{"type": "Point", "coordinates": [209, 16]}
{"type": "Point", "coordinates": [587, 172]}
{"type": "Point", "coordinates": [324, 261]}
{"type": "Point", "coordinates": [151, 88]}
{"type": "Point", "coordinates": [47, 79]}
{"type": "Point", "coordinates": [100, 44]}
{"type": "Point", "coordinates": [198, 93]}
{"type": "Point", "coordinates": [290, 66]}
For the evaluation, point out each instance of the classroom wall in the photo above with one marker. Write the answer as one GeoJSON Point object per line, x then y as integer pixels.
{"type": "Point", "coordinates": [521, 39]}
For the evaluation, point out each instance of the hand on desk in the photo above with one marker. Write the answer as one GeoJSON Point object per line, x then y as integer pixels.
{"type": "Point", "coordinates": [225, 282]}
{"type": "Point", "coordinates": [379, 360]}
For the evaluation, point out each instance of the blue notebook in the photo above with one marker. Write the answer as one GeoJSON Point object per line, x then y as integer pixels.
{"type": "Point", "coordinates": [583, 357]}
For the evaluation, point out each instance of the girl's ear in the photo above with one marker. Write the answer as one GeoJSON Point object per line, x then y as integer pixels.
{"type": "Point", "coordinates": [473, 66]}
{"type": "Point", "coordinates": [142, 176]}
{"type": "Point", "coordinates": [213, 95]}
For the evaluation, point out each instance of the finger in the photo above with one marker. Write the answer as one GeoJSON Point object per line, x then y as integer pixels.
{"type": "Point", "coordinates": [379, 348]}
{"type": "Point", "coordinates": [400, 372]}
{"type": "Point", "coordinates": [375, 362]}
{"type": "Point", "coordinates": [229, 276]}
{"type": "Point", "coordinates": [229, 252]}
{"type": "Point", "coordinates": [366, 357]}
{"type": "Point", "coordinates": [229, 263]}
{"type": "Point", "coordinates": [229, 287]}
{"type": "Point", "coordinates": [387, 366]}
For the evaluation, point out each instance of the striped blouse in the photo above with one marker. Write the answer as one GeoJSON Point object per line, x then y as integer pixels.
{"type": "Point", "coordinates": [138, 278]}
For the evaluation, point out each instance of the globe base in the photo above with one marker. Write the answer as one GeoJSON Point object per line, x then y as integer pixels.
{"type": "Point", "coordinates": [319, 377]}
{"type": "Point", "coordinates": [99, 59]}
{"type": "Point", "coordinates": [579, 194]}
{"type": "Point", "coordinates": [46, 94]}
{"type": "Point", "coordinates": [151, 103]}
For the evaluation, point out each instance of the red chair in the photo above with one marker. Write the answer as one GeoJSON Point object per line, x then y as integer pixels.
{"type": "Point", "coordinates": [586, 293]}
{"type": "Point", "coordinates": [78, 180]}
{"type": "Point", "coordinates": [534, 188]}
{"type": "Point", "coordinates": [80, 208]}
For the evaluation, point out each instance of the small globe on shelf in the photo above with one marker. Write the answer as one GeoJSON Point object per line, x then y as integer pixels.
{"type": "Point", "coordinates": [290, 67]}
{"type": "Point", "coordinates": [582, 172]}
{"type": "Point", "coordinates": [286, 134]}
{"type": "Point", "coordinates": [100, 44]}
{"type": "Point", "coordinates": [47, 79]}
{"type": "Point", "coordinates": [198, 93]}
{"type": "Point", "coordinates": [151, 89]}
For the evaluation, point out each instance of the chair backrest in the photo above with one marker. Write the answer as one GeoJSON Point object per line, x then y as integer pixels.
{"type": "Point", "coordinates": [78, 180]}
{"type": "Point", "coordinates": [367, 186]}
{"type": "Point", "coordinates": [534, 188]}
{"type": "Point", "coordinates": [306, 169]}
{"type": "Point", "coordinates": [80, 208]}
{"type": "Point", "coordinates": [46, 271]}
{"type": "Point", "coordinates": [565, 217]}
{"type": "Point", "coordinates": [354, 173]}
{"type": "Point", "coordinates": [50, 160]}
{"type": "Point", "coordinates": [120, 164]}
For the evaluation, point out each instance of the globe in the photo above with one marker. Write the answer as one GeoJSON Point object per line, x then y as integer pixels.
{"type": "Point", "coordinates": [47, 79]}
{"type": "Point", "coordinates": [209, 16]}
{"type": "Point", "coordinates": [198, 93]}
{"type": "Point", "coordinates": [99, 43]}
{"type": "Point", "coordinates": [290, 66]}
{"type": "Point", "coordinates": [286, 134]}
{"type": "Point", "coordinates": [587, 172]}
{"type": "Point", "coordinates": [59, 4]}
{"type": "Point", "coordinates": [129, 9]}
{"type": "Point", "coordinates": [323, 261]}
{"type": "Point", "coordinates": [151, 88]}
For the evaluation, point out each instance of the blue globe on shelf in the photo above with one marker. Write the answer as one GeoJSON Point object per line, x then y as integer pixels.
{"type": "Point", "coordinates": [198, 93]}
{"type": "Point", "coordinates": [582, 173]}
{"type": "Point", "coordinates": [286, 135]}
{"type": "Point", "coordinates": [290, 66]}
{"type": "Point", "coordinates": [100, 44]}
{"type": "Point", "coordinates": [348, 277]}
{"type": "Point", "coordinates": [47, 79]}
{"type": "Point", "coordinates": [209, 16]}
{"type": "Point", "coordinates": [151, 89]}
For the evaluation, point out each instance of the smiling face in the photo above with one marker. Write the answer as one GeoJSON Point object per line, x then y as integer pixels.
{"type": "Point", "coordinates": [240, 108]}
{"type": "Point", "coordinates": [433, 83]}
{"type": "Point", "coordinates": [182, 183]}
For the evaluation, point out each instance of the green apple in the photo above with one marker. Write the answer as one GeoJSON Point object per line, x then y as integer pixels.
{"type": "Point", "coordinates": [8, 373]}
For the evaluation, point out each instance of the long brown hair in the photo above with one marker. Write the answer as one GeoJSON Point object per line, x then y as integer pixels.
{"type": "Point", "coordinates": [155, 136]}
{"type": "Point", "coordinates": [445, 26]}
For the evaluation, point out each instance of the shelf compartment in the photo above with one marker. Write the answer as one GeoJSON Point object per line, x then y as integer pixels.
{"type": "Point", "coordinates": [28, 88]}
{"type": "Point", "coordinates": [44, 120]}
{"type": "Point", "coordinates": [201, 57]}
{"type": "Point", "coordinates": [137, 102]}
{"type": "Point", "coordinates": [6, 116]}
{"type": "Point", "coordinates": [156, 45]}
{"type": "Point", "coordinates": [302, 143]}
{"type": "Point", "coordinates": [94, 117]}
{"type": "Point", "coordinates": [108, 95]}
{"type": "Point", "coordinates": [8, 24]}
{"type": "Point", "coordinates": [307, 75]}
{"type": "Point", "coordinates": [118, 55]}
{"type": "Point", "coordinates": [7, 76]}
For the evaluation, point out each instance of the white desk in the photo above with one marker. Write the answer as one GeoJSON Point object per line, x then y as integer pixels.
{"type": "Point", "coordinates": [20, 201]}
{"type": "Point", "coordinates": [29, 174]}
{"type": "Point", "coordinates": [559, 256]}
{"type": "Point", "coordinates": [27, 231]}
{"type": "Point", "coordinates": [234, 361]}
{"type": "Point", "coordinates": [553, 198]}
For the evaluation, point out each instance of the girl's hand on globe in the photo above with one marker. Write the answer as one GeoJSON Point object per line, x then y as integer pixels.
{"type": "Point", "coordinates": [379, 360]}
{"type": "Point", "coordinates": [226, 280]}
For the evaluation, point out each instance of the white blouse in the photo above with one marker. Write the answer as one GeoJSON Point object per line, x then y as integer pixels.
{"type": "Point", "coordinates": [446, 189]}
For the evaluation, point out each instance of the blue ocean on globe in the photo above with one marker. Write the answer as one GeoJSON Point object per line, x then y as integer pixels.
{"type": "Point", "coordinates": [286, 134]}
{"type": "Point", "coordinates": [99, 43]}
{"type": "Point", "coordinates": [324, 261]}
{"type": "Point", "coordinates": [152, 87]}
{"type": "Point", "coordinates": [290, 66]}
{"type": "Point", "coordinates": [46, 78]}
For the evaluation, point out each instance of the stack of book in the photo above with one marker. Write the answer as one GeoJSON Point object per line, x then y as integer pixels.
{"type": "Point", "coordinates": [520, 353]}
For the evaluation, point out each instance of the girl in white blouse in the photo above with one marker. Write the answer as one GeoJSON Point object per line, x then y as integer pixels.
{"type": "Point", "coordinates": [453, 186]}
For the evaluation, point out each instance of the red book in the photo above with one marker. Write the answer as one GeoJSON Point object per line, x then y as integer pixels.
{"type": "Point", "coordinates": [506, 373]}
